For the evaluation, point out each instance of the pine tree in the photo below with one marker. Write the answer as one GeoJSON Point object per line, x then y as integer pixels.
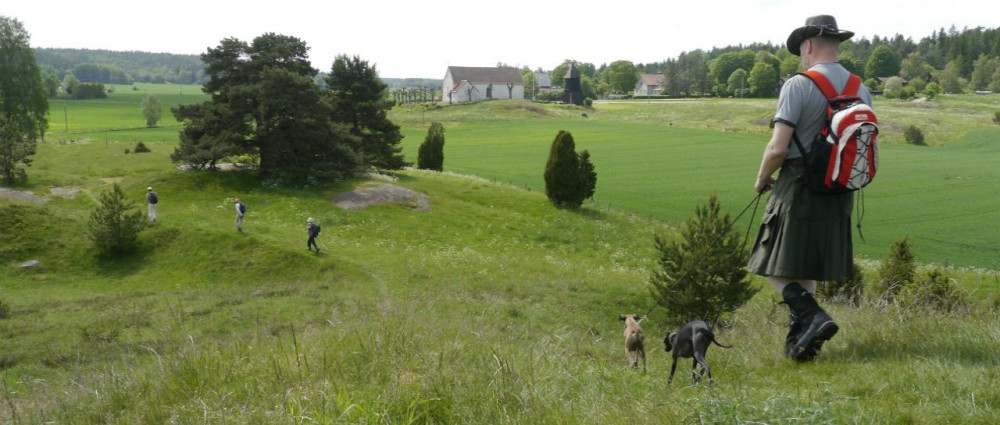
{"type": "Point", "coordinates": [116, 223]}
{"type": "Point", "coordinates": [896, 271]}
{"type": "Point", "coordinates": [358, 98]}
{"type": "Point", "coordinates": [430, 154]}
{"type": "Point", "coordinates": [588, 174]}
{"type": "Point", "coordinates": [702, 276]}
{"type": "Point", "coordinates": [563, 184]}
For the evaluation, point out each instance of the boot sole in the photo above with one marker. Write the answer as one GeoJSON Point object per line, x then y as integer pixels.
{"type": "Point", "coordinates": [825, 331]}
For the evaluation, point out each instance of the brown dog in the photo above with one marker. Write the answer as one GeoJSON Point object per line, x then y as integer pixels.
{"type": "Point", "coordinates": [634, 348]}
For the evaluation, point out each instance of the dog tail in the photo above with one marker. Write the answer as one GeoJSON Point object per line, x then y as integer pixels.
{"type": "Point", "coordinates": [717, 343]}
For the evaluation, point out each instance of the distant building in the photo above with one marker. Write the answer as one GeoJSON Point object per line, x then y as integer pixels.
{"type": "Point", "coordinates": [543, 80]}
{"type": "Point", "coordinates": [463, 84]}
{"type": "Point", "coordinates": [574, 91]}
{"type": "Point", "coordinates": [649, 85]}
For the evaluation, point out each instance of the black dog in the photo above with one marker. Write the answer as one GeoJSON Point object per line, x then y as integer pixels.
{"type": "Point", "coordinates": [692, 341]}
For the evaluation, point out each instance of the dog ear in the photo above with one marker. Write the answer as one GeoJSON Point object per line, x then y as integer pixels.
{"type": "Point", "coordinates": [621, 317]}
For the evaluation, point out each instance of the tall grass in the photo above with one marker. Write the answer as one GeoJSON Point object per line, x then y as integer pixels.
{"type": "Point", "coordinates": [492, 307]}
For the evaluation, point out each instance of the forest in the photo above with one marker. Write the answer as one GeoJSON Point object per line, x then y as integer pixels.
{"type": "Point", "coordinates": [946, 61]}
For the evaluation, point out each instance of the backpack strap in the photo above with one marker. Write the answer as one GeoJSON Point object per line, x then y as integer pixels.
{"type": "Point", "coordinates": [850, 89]}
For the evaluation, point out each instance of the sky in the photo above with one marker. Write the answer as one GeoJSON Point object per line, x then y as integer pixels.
{"type": "Point", "coordinates": [420, 39]}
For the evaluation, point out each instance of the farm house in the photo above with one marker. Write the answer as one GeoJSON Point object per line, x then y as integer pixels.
{"type": "Point", "coordinates": [464, 84]}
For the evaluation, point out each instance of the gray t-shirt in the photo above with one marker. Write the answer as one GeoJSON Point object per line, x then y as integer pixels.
{"type": "Point", "coordinates": [802, 105]}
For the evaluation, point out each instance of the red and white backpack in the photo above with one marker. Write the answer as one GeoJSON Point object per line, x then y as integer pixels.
{"type": "Point", "coordinates": [844, 155]}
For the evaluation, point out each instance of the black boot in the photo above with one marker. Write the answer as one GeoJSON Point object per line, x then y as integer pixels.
{"type": "Point", "coordinates": [794, 329]}
{"type": "Point", "coordinates": [815, 325]}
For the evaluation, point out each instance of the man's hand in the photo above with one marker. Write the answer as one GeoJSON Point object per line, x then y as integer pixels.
{"type": "Point", "coordinates": [764, 185]}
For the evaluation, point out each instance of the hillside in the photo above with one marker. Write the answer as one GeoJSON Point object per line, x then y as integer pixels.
{"type": "Point", "coordinates": [490, 307]}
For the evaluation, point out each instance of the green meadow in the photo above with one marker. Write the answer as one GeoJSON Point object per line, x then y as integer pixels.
{"type": "Point", "coordinates": [492, 307]}
{"type": "Point", "coordinates": [660, 159]}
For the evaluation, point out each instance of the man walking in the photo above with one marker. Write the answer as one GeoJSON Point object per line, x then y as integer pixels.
{"type": "Point", "coordinates": [151, 201]}
{"type": "Point", "coordinates": [240, 211]}
{"type": "Point", "coordinates": [312, 229]}
{"type": "Point", "coordinates": [804, 237]}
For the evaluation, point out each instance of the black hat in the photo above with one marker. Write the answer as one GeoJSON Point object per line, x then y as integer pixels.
{"type": "Point", "coordinates": [816, 26]}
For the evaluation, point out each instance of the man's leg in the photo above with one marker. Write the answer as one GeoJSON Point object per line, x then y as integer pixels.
{"type": "Point", "coordinates": [815, 325]}
{"type": "Point", "coordinates": [807, 322]}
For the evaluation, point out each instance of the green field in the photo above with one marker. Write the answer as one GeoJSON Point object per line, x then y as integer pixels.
{"type": "Point", "coordinates": [492, 307]}
{"type": "Point", "coordinates": [119, 117]}
{"type": "Point", "coordinates": [662, 171]}
{"type": "Point", "coordinates": [658, 159]}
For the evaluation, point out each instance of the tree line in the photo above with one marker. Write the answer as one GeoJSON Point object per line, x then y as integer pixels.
{"type": "Point", "coordinates": [111, 67]}
{"type": "Point", "coordinates": [949, 61]}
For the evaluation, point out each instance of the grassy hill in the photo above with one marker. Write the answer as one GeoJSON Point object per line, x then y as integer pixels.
{"type": "Point", "coordinates": [491, 307]}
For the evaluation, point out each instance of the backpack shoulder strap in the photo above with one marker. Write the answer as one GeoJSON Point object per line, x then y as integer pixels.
{"type": "Point", "coordinates": [822, 82]}
{"type": "Point", "coordinates": [850, 89]}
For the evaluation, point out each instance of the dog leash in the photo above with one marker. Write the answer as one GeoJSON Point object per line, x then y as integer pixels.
{"type": "Point", "coordinates": [755, 202]}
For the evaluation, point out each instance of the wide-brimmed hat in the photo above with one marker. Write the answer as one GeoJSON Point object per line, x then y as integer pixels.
{"type": "Point", "coordinates": [816, 26]}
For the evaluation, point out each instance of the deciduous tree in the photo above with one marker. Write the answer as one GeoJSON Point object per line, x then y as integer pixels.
{"type": "Point", "coordinates": [763, 80]}
{"type": "Point", "coordinates": [23, 101]}
{"type": "Point", "coordinates": [152, 110]}
{"type": "Point", "coordinates": [882, 63]}
{"type": "Point", "coordinates": [737, 84]}
{"type": "Point", "coordinates": [620, 76]}
{"type": "Point", "coordinates": [982, 71]}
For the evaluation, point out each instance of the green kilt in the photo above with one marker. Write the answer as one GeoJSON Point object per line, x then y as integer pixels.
{"type": "Point", "coordinates": [803, 235]}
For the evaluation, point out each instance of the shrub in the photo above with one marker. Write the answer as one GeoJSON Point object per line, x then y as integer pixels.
{"type": "Point", "coordinates": [588, 175]}
{"type": "Point", "coordinates": [993, 302]}
{"type": "Point", "coordinates": [564, 183]}
{"type": "Point", "coordinates": [588, 102]}
{"type": "Point", "coordinates": [914, 136]}
{"type": "Point", "coordinates": [89, 91]}
{"type": "Point", "coordinates": [140, 147]}
{"type": "Point", "coordinates": [116, 223]}
{"type": "Point", "coordinates": [896, 271]}
{"type": "Point", "coordinates": [100, 331]}
{"type": "Point", "coordinates": [430, 154]}
{"type": "Point", "coordinates": [935, 290]}
{"type": "Point", "coordinates": [703, 276]}
{"type": "Point", "coordinates": [932, 90]}
{"type": "Point", "coordinates": [996, 117]}
{"type": "Point", "coordinates": [848, 291]}
{"type": "Point", "coordinates": [4, 309]}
